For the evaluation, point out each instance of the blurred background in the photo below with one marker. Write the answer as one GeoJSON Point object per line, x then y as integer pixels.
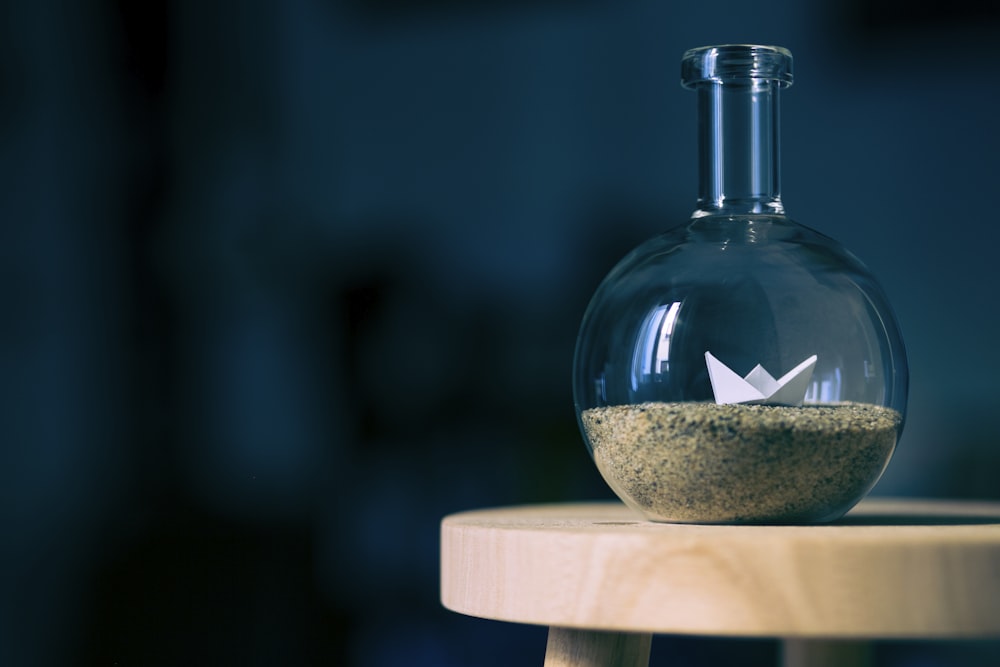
{"type": "Point", "coordinates": [284, 283]}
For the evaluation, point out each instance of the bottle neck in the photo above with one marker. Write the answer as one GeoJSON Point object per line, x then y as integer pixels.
{"type": "Point", "coordinates": [738, 144]}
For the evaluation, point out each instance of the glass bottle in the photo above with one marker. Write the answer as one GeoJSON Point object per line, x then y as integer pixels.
{"type": "Point", "coordinates": [741, 367]}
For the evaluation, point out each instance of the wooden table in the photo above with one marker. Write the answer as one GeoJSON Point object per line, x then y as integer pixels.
{"type": "Point", "coordinates": [604, 579]}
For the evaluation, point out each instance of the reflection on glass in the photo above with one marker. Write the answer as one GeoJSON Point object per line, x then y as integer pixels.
{"type": "Point", "coordinates": [652, 351]}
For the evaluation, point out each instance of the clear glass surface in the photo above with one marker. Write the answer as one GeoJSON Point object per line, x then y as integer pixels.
{"type": "Point", "coordinates": [745, 285]}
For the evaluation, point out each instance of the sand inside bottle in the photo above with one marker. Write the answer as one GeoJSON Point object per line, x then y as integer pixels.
{"type": "Point", "coordinates": [707, 463]}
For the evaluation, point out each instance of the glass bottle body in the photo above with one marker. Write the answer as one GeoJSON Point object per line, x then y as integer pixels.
{"type": "Point", "coordinates": [686, 340]}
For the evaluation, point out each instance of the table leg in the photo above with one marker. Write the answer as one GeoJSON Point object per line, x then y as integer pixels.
{"type": "Point", "coordinates": [826, 653]}
{"type": "Point", "coordinates": [590, 648]}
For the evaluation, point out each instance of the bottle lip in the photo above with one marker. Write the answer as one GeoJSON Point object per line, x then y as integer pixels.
{"type": "Point", "coordinates": [736, 62]}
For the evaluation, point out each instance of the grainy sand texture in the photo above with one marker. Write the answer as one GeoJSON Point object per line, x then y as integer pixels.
{"type": "Point", "coordinates": [708, 463]}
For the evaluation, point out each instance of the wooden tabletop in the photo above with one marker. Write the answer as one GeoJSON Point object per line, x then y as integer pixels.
{"type": "Point", "coordinates": [889, 569]}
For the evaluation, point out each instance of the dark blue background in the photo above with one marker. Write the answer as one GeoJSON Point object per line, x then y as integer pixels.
{"type": "Point", "coordinates": [285, 283]}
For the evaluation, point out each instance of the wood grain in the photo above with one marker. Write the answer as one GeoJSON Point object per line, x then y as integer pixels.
{"type": "Point", "coordinates": [825, 653]}
{"type": "Point", "coordinates": [567, 647]}
{"type": "Point", "coordinates": [889, 569]}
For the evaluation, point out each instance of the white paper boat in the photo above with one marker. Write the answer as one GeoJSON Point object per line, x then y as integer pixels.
{"type": "Point", "coordinates": [758, 386]}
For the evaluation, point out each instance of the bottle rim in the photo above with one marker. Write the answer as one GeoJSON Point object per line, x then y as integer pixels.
{"type": "Point", "coordinates": [736, 62]}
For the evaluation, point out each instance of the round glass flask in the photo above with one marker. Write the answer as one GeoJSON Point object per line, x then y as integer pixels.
{"type": "Point", "coordinates": [740, 368]}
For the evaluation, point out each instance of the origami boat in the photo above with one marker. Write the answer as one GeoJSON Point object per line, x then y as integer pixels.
{"type": "Point", "coordinates": [758, 386]}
